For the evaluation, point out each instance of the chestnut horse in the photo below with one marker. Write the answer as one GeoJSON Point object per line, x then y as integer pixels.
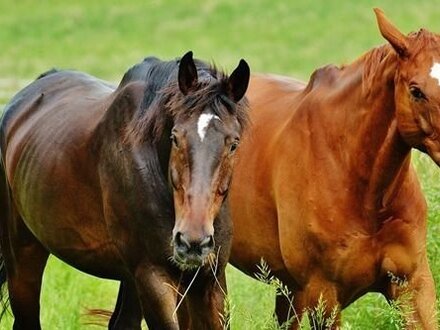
{"type": "Point", "coordinates": [89, 173]}
{"type": "Point", "coordinates": [329, 198]}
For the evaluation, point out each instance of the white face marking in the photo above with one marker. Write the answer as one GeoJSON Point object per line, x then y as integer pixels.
{"type": "Point", "coordinates": [435, 71]}
{"type": "Point", "coordinates": [202, 124]}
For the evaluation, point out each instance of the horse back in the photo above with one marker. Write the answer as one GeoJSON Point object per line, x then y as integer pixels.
{"type": "Point", "coordinates": [139, 71]}
{"type": "Point", "coordinates": [54, 107]}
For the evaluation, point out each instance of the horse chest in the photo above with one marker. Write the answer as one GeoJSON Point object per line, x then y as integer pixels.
{"type": "Point", "coordinates": [354, 261]}
{"type": "Point", "coordinates": [349, 258]}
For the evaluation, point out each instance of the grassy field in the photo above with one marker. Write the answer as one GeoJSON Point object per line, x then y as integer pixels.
{"type": "Point", "coordinates": [104, 38]}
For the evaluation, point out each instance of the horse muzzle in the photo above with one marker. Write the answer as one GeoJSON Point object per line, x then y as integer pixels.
{"type": "Point", "coordinates": [192, 253]}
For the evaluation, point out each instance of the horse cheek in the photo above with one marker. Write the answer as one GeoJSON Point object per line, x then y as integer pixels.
{"type": "Point", "coordinates": [408, 123]}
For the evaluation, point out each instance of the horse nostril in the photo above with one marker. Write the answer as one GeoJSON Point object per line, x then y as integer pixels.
{"type": "Point", "coordinates": [184, 246]}
{"type": "Point", "coordinates": [181, 241]}
{"type": "Point", "coordinates": [207, 242]}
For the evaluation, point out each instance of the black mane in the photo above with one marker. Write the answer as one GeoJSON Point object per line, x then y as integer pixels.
{"type": "Point", "coordinates": [163, 101]}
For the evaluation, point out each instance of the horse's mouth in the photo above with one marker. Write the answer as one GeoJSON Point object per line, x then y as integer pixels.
{"type": "Point", "coordinates": [189, 262]}
{"type": "Point", "coordinates": [192, 261]}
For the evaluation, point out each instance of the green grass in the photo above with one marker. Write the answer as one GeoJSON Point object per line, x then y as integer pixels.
{"type": "Point", "coordinates": [104, 38]}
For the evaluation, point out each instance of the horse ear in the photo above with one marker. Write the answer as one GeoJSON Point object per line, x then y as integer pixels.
{"type": "Point", "coordinates": [238, 81]}
{"type": "Point", "coordinates": [396, 38]}
{"type": "Point", "coordinates": [187, 73]}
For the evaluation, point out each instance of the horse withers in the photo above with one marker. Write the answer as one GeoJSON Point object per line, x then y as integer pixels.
{"type": "Point", "coordinates": [329, 198]}
{"type": "Point", "coordinates": [125, 183]}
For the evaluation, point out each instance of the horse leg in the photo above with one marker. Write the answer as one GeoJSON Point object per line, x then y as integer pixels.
{"type": "Point", "coordinates": [127, 314]}
{"type": "Point", "coordinates": [24, 276]}
{"type": "Point", "coordinates": [24, 261]}
{"type": "Point", "coordinates": [4, 238]}
{"type": "Point", "coordinates": [158, 298]}
{"type": "Point", "coordinates": [206, 305]}
{"type": "Point", "coordinates": [183, 316]}
{"type": "Point", "coordinates": [417, 297]}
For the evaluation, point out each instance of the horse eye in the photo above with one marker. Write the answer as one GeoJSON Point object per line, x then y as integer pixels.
{"type": "Point", "coordinates": [174, 140]}
{"type": "Point", "coordinates": [417, 93]}
{"type": "Point", "coordinates": [233, 146]}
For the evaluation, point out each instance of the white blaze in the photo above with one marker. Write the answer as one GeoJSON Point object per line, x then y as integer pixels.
{"type": "Point", "coordinates": [202, 124]}
{"type": "Point", "coordinates": [435, 71]}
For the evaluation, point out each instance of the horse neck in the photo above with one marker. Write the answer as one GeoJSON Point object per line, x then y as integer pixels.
{"type": "Point", "coordinates": [135, 161]}
{"type": "Point", "coordinates": [380, 158]}
{"type": "Point", "coordinates": [362, 122]}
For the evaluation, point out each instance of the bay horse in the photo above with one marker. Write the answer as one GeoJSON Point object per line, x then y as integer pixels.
{"type": "Point", "coordinates": [329, 198]}
{"type": "Point", "coordinates": [126, 183]}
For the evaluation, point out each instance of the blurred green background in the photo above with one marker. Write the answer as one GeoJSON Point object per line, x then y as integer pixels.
{"type": "Point", "coordinates": [105, 38]}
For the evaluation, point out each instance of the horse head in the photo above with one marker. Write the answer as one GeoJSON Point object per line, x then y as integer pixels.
{"type": "Point", "coordinates": [204, 138]}
{"type": "Point", "coordinates": [417, 86]}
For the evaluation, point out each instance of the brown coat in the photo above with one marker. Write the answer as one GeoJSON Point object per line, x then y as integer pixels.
{"type": "Point", "coordinates": [323, 189]}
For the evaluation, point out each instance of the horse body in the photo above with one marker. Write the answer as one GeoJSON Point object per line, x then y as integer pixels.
{"type": "Point", "coordinates": [335, 206]}
{"type": "Point", "coordinates": [71, 125]}
{"type": "Point", "coordinates": [304, 194]}
{"type": "Point", "coordinates": [92, 177]}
